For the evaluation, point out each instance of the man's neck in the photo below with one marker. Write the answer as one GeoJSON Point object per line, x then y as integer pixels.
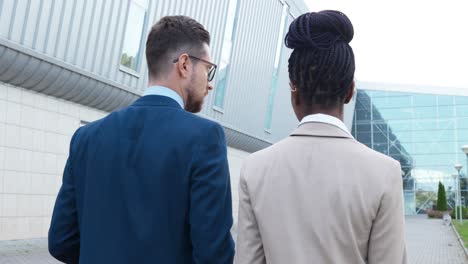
{"type": "Point", "coordinates": [175, 88]}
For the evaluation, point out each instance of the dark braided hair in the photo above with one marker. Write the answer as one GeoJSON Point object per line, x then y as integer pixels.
{"type": "Point", "coordinates": [321, 66]}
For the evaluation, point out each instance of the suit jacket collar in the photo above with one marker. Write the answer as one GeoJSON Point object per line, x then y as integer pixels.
{"type": "Point", "coordinates": [318, 129]}
{"type": "Point", "coordinates": [156, 100]}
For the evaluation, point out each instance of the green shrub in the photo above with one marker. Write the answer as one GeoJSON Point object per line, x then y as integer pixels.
{"type": "Point", "coordinates": [464, 212]}
{"type": "Point", "coordinates": [434, 214]}
{"type": "Point", "coordinates": [441, 198]}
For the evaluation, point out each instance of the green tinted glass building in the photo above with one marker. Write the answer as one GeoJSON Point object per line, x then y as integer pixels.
{"type": "Point", "coordinates": [424, 132]}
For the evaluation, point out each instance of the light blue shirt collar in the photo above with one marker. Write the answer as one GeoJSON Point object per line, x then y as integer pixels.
{"type": "Point", "coordinates": [164, 91]}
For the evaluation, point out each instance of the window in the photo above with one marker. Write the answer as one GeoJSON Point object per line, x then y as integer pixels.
{"type": "Point", "coordinates": [461, 100]}
{"type": "Point", "coordinates": [446, 111]}
{"type": "Point", "coordinates": [274, 81]}
{"type": "Point", "coordinates": [364, 137]}
{"type": "Point", "coordinates": [445, 100]}
{"type": "Point", "coordinates": [424, 100]}
{"type": "Point", "coordinates": [226, 51]}
{"type": "Point", "coordinates": [132, 44]}
{"type": "Point", "coordinates": [363, 128]}
{"type": "Point", "coordinates": [400, 125]}
{"type": "Point", "coordinates": [424, 112]}
{"type": "Point", "coordinates": [462, 110]}
{"type": "Point", "coordinates": [462, 122]}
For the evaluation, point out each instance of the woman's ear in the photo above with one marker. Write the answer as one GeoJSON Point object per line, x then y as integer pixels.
{"type": "Point", "coordinates": [350, 94]}
{"type": "Point", "coordinates": [294, 94]}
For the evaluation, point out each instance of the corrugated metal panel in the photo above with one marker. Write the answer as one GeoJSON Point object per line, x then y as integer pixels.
{"type": "Point", "coordinates": [216, 29]}
{"type": "Point", "coordinates": [250, 80]}
{"type": "Point", "coordinates": [66, 13]}
{"type": "Point", "coordinates": [252, 65]}
{"type": "Point", "coordinates": [53, 37]}
{"type": "Point", "coordinates": [87, 16]}
{"type": "Point", "coordinates": [74, 53]}
{"type": "Point", "coordinates": [111, 62]}
{"type": "Point", "coordinates": [7, 18]}
{"type": "Point", "coordinates": [93, 35]}
{"type": "Point", "coordinates": [32, 14]}
{"type": "Point", "coordinates": [42, 29]}
{"type": "Point", "coordinates": [283, 117]}
{"type": "Point", "coordinates": [298, 7]}
{"type": "Point", "coordinates": [73, 18]}
{"type": "Point", "coordinates": [101, 45]}
{"type": "Point", "coordinates": [19, 15]}
{"type": "Point", "coordinates": [26, 68]}
{"type": "Point", "coordinates": [36, 23]}
{"type": "Point", "coordinates": [122, 77]}
{"type": "Point", "coordinates": [79, 32]}
{"type": "Point", "coordinates": [74, 34]}
{"type": "Point", "coordinates": [59, 30]}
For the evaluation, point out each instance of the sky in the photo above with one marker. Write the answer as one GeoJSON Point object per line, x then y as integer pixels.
{"type": "Point", "coordinates": [407, 41]}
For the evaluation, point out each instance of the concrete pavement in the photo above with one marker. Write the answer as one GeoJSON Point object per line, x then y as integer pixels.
{"type": "Point", "coordinates": [428, 242]}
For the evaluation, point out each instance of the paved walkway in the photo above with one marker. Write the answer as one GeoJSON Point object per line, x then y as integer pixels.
{"type": "Point", "coordinates": [428, 242]}
{"type": "Point", "coordinates": [32, 251]}
{"type": "Point", "coordinates": [431, 242]}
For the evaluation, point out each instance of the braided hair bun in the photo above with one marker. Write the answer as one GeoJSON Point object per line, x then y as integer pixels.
{"type": "Point", "coordinates": [319, 30]}
{"type": "Point", "coordinates": [322, 63]}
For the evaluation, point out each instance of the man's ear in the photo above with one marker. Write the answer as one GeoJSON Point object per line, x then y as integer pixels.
{"type": "Point", "coordinates": [350, 94]}
{"type": "Point", "coordinates": [184, 65]}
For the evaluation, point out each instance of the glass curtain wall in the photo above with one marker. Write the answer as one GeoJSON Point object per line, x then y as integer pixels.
{"type": "Point", "coordinates": [424, 132]}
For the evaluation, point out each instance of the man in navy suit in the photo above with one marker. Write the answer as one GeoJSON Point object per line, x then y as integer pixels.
{"type": "Point", "coordinates": [150, 183]}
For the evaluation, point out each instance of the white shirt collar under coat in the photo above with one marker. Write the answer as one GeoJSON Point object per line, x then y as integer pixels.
{"type": "Point", "coordinates": [328, 119]}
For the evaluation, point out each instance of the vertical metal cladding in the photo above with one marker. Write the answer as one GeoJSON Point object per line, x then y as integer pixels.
{"type": "Point", "coordinates": [252, 65]}
{"type": "Point", "coordinates": [86, 37]}
{"type": "Point", "coordinates": [283, 118]}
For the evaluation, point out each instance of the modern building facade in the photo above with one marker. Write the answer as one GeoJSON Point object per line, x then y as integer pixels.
{"type": "Point", "coordinates": [66, 63]}
{"type": "Point", "coordinates": [423, 128]}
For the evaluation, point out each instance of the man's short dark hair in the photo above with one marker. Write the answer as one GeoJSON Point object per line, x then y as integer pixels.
{"type": "Point", "coordinates": [170, 35]}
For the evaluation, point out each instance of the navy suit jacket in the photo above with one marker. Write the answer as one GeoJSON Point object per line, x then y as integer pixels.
{"type": "Point", "coordinates": [146, 184]}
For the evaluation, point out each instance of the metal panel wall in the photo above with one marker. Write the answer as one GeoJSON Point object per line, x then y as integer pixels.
{"type": "Point", "coordinates": [89, 34]}
{"type": "Point", "coordinates": [250, 78]}
{"type": "Point", "coordinates": [253, 56]}
{"type": "Point", "coordinates": [86, 37]}
{"type": "Point", "coordinates": [283, 118]}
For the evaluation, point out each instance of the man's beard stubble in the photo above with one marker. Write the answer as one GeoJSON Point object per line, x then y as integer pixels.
{"type": "Point", "coordinates": [192, 105]}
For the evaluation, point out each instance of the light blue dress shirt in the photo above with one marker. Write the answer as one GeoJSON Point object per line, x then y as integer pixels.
{"type": "Point", "coordinates": [164, 91]}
